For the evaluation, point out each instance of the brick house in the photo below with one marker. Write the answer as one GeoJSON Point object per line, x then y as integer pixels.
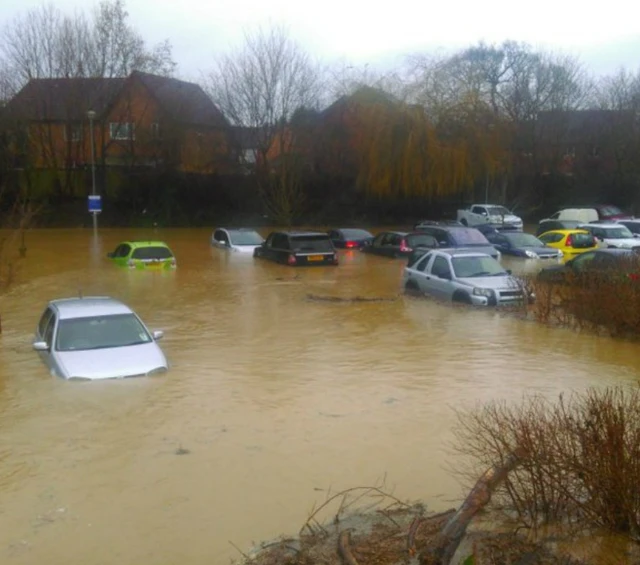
{"type": "Point", "coordinates": [141, 121]}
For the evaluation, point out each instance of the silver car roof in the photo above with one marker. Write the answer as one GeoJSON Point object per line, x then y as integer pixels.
{"type": "Point", "coordinates": [89, 306]}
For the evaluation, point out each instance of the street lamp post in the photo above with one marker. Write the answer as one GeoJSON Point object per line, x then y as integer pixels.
{"type": "Point", "coordinates": [91, 115]}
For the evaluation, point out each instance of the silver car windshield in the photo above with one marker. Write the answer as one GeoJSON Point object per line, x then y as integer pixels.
{"type": "Point", "coordinates": [100, 332]}
{"type": "Point", "coordinates": [245, 238]}
{"type": "Point", "coordinates": [466, 267]}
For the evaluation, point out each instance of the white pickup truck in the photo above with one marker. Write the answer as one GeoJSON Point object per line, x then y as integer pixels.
{"type": "Point", "coordinates": [494, 214]}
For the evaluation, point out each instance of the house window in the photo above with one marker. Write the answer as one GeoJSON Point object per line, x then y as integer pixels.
{"type": "Point", "coordinates": [122, 130]}
{"type": "Point", "coordinates": [72, 132]}
{"type": "Point", "coordinates": [155, 130]}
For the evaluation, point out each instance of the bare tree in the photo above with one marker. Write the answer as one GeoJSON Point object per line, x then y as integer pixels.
{"type": "Point", "coordinates": [119, 49]}
{"type": "Point", "coordinates": [16, 214]}
{"type": "Point", "coordinates": [46, 43]}
{"type": "Point", "coordinates": [260, 86]}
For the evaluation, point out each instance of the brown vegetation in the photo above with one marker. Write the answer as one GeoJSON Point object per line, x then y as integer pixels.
{"type": "Point", "coordinates": [608, 303]}
{"type": "Point", "coordinates": [583, 458]}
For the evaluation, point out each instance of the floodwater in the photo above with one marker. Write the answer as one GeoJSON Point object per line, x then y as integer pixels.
{"type": "Point", "coordinates": [271, 400]}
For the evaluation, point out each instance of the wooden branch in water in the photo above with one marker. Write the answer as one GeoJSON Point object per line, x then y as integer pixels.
{"type": "Point", "coordinates": [448, 540]}
{"type": "Point", "coordinates": [344, 548]}
{"type": "Point", "coordinates": [342, 494]}
{"type": "Point", "coordinates": [323, 298]}
{"type": "Point", "coordinates": [417, 522]}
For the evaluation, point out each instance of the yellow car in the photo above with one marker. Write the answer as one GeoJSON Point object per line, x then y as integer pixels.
{"type": "Point", "coordinates": [570, 242]}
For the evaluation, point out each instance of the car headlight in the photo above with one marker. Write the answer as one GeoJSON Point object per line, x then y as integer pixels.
{"type": "Point", "coordinates": [486, 292]}
{"type": "Point", "coordinates": [560, 253]}
{"type": "Point", "coordinates": [531, 254]}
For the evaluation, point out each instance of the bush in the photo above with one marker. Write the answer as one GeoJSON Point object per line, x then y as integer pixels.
{"type": "Point", "coordinates": [607, 302]}
{"type": "Point", "coordinates": [582, 463]}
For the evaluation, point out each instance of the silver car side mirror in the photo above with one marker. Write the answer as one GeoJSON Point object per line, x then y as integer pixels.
{"type": "Point", "coordinates": [157, 334]}
{"type": "Point", "coordinates": [41, 346]}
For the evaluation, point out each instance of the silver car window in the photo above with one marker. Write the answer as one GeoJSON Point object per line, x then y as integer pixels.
{"type": "Point", "coordinates": [440, 268]}
{"type": "Point", "coordinates": [48, 332]}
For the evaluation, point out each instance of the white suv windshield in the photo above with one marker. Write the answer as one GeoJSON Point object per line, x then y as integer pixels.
{"type": "Point", "coordinates": [617, 233]}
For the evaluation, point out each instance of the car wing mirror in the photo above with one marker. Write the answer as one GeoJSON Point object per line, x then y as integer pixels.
{"type": "Point", "coordinates": [157, 334]}
{"type": "Point", "coordinates": [509, 272]}
{"type": "Point", "coordinates": [41, 346]}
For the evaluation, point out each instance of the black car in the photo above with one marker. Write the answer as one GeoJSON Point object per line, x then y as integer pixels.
{"type": "Point", "coordinates": [423, 223]}
{"type": "Point", "coordinates": [298, 249]}
{"type": "Point", "coordinates": [400, 244]}
{"type": "Point", "coordinates": [461, 237]}
{"type": "Point", "coordinates": [350, 238]}
{"type": "Point", "coordinates": [520, 244]}
{"type": "Point", "coordinates": [551, 225]}
{"type": "Point", "coordinates": [603, 262]}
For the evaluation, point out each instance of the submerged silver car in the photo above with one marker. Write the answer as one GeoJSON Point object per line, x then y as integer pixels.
{"type": "Point", "coordinates": [463, 276]}
{"type": "Point", "coordinates": [97, 337]}
{"type": "Point", "coordinates": [241, 239]}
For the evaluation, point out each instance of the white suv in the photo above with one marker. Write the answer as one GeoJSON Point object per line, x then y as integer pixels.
{"type": "Point", "coordinates": [614, 235]}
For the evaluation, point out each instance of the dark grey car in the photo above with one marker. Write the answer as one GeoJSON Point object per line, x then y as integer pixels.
{"type": "Point", "coordinates": [461, 238]}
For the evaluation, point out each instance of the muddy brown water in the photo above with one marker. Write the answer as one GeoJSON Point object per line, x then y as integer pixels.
{"type": "Point", "coordinates": [273, 398]}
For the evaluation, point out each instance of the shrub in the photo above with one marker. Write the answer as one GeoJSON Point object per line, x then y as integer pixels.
{"type": "Point", "coordinates": [583, 457]}
{"type": "Point", "coordinates": [608, 302]}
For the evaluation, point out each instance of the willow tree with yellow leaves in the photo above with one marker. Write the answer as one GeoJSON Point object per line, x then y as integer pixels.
{"type": "Point", "coordinates": [405, 152]}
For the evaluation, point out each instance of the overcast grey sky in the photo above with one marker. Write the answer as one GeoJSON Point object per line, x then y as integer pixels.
{"type": "Point", "coordinates": [605, 37]}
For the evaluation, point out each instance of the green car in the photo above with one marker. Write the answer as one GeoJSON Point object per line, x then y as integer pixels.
{"type": "Point", "coordinates": [149, 255]}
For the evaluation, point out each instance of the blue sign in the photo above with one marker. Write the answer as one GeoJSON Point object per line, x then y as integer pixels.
{"type": "Point", "coordinates": [95, 204]}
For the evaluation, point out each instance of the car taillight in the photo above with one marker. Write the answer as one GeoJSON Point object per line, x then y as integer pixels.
{"type": "Point", "coordinates": [291, 260]}
{"type": "Point", "coordinates": [403, 246]}
{"type": "Point", "coordinates": [350, 244]}
{"type": "Point", "coordinates": [634, 276]}
{"type": "Point", "coordinates": [569, 241]}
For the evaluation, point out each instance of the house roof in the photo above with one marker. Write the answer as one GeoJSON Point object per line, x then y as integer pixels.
{"type": "Point", "coordinates": [364, 95]}
{"type": "Point", "coordinates": [63, 98]}
{"type": "Point", "coordinates": [186, 102]}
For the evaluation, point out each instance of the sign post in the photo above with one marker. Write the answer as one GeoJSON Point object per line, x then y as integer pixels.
{"type": "Point", "coordinates": [95, 203]}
